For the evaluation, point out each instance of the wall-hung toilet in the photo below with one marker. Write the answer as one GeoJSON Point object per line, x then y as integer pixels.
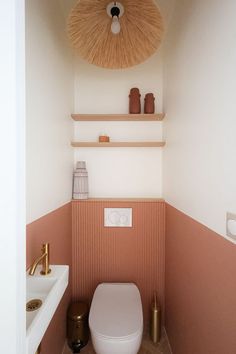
{"type": "Point", "coordinates": [116, 319]}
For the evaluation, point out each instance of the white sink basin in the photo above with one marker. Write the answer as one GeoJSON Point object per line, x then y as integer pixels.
{"type": "Point", "coordinates": [49, 289]}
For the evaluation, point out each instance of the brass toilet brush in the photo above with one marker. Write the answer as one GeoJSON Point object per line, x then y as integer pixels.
{"type": "Point", "coordinates": [155, 321]}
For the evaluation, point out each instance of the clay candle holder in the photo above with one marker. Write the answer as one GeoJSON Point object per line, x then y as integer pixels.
{"type": "Point", "coordinates": [134, 101]}
{"type": "Point", "coordinates": [149, 105]}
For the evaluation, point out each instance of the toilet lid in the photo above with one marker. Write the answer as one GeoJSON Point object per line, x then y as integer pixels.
{"type": "Point", "coordinates": [116, 310]}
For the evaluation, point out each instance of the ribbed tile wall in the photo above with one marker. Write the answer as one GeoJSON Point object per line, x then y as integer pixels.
{"type": "Point", "coordinates": [200, 287]}
{"type": "Point", "coordinates": [134, 254]}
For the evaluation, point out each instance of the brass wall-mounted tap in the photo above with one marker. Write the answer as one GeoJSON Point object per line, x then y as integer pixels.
{"type": "Point", "coordinates": [44, 258]}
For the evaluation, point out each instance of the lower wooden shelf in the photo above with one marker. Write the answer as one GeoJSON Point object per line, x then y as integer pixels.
{"type": "Point", "coordinates": [119, 144]}
{"type": "Point", "coordinates": [118, 117]}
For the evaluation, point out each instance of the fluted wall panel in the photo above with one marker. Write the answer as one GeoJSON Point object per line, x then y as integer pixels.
{"type": "Point", "coordinates": [102, 254]}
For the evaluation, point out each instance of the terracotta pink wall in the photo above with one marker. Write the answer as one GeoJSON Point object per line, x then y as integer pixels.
{"type": "Point", "coordinates": [134, 254]}
{"type": "Point", "coordinates": [200, 287]}
{"type": "Point", "coordinates": [54, 228]}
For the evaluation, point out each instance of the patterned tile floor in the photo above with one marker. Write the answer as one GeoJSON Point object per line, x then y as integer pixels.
{"type": "Point", "coordinates": [147, 347]}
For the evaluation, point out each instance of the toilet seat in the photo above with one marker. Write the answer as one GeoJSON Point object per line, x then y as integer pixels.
{"type": "Point", "coordinates": [116, 312]}
{"type": "Point", "coordinates": [118, 340]}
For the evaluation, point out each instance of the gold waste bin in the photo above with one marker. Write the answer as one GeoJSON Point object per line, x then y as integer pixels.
{"type": "Point", "coordinates": [77, 326]}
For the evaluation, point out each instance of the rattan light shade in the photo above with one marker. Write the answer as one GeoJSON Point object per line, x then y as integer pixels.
{"type": "Point", "coordinates": [89, 29]}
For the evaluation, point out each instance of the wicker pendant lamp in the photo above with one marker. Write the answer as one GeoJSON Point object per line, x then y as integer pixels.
{"type": "Point", "coordinates": [114, 34]}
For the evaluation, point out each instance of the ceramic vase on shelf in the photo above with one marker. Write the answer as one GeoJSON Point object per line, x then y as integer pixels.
{"type": "Point", "coordinates": [80, 182]}
{"type": "Point", "coordinates": [149, 104]}
{"type": "Point", "coordinates": [134, 101]}
{"type": "Point", "coordinates": [103, 138]}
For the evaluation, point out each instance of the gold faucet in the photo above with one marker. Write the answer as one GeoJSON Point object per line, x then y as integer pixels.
{"type": "Point", "coordinates": [44, 258]}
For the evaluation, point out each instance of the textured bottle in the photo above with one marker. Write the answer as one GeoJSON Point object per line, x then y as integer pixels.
{"type": "Point", "coordinates": [156, 321]}
{"type": "Point", "coordinates": [80, 183]}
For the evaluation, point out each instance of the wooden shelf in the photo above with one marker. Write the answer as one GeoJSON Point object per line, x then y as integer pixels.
{"type": "Point", "coordinates": [119, 144]}
{"type": "Point", "coordinates": [118, 117]}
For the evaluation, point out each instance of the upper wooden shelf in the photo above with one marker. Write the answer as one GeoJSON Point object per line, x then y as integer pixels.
{"type": "Point", "coordinates": [118, 117]}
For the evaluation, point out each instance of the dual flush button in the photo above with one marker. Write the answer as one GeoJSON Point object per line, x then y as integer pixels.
{"type": "Point", "coordinates": [118, 217]}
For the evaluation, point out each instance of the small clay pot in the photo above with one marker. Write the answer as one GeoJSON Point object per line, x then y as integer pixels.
{"type": "Point", "coordinates": [104, 139]}
{"type": "Point", "coordinates": [149, 105]}
{"type": "Point", "coordinates": [134, 101]}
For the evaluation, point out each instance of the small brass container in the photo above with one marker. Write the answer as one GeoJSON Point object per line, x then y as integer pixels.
{"type": "Point", "coordinates": [155, 321]}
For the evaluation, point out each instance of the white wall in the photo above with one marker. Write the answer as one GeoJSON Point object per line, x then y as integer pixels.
{"type": "Point", "coordinates": [49, 95]}
{"type": "Point", "coordinates": [119, 172]}
{"type": "Point", "coordinates": [99, 90]}
{"type": "Point", "coordinates": [12, 186]}
{"type": "Point", "coordinates": [200, 86]}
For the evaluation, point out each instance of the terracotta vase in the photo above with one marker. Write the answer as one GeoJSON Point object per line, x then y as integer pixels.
{"type": "Point", "coordinates": [149, 105]}
{"type": "Point", "coordinates": [104, 139]}
{"type": "Point", "coordinates": [134, 101]}
{"type": "Point", "coordinates": [80, 181]}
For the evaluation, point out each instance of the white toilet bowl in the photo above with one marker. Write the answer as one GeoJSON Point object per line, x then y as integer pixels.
{"type": "Point", "coordinates": [116, 319]}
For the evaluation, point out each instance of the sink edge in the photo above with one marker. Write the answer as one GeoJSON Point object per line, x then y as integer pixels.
{"type": "Point", "coordinates": [38, 327]}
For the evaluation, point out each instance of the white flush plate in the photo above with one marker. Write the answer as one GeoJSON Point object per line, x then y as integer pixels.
{"type": "Point", "coordinates": [118, 217]}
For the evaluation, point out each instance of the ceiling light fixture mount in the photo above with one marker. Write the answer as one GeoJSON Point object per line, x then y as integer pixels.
{"type": "Point", "coordinates": [115, 10]}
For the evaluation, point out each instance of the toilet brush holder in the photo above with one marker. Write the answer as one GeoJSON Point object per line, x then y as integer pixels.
{"type": "Point", "coordinates": [155, 321]}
